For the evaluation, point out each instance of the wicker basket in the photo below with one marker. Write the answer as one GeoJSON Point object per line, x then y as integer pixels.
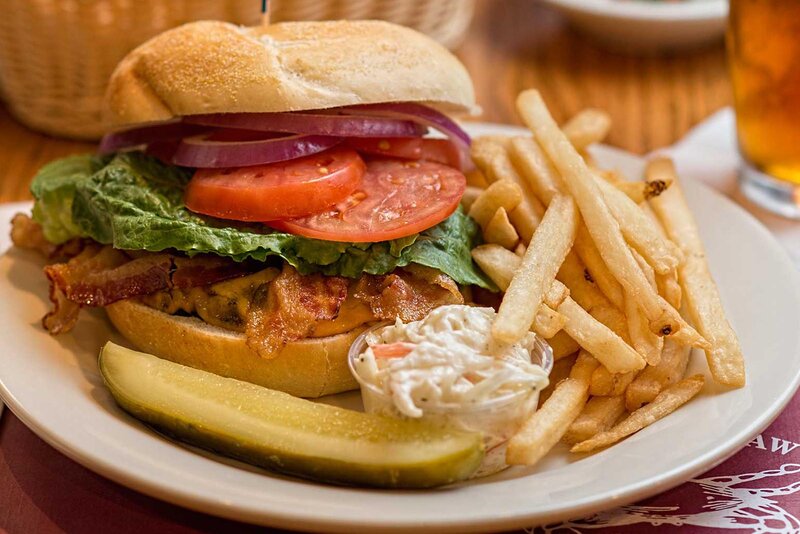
{"type": "Point", "coordinates": [56, 55]}
{"type": "Point", "coordinates": [444, 20]}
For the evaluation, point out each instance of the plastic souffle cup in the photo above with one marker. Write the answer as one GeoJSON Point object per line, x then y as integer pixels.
{"type": "Point", "coordinates": [497, 419]}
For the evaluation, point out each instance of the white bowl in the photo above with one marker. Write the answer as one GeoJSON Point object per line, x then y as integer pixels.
{"type": "Point", "coordinates": [646, 27]}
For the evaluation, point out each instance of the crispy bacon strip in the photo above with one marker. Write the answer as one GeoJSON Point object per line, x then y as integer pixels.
{"type": "Point", "coordinates": [289, 307]}
{"type": "Point", "coordinates": [100, 276]}
{"type": "Point", "coordinates": [409, 293]}
{"type": "Point", "coordinates": [91, 259]}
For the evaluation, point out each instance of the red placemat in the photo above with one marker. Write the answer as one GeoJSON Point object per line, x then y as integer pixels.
{"type": "Point", "coordinates": [757, 490]}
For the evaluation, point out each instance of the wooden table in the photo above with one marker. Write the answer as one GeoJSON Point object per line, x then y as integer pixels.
{"type": "Point", "coordinates": [513, 45]}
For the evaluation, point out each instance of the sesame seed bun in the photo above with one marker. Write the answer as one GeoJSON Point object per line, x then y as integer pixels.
{"type": "Point", "coordinates": [217, 67]}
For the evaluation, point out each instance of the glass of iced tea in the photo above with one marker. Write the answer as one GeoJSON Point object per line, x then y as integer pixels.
{"type": "Point", "coordinates": [764, 56]}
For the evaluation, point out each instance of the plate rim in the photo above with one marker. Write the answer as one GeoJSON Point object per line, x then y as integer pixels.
{"type": "Point", "coordinates": [586, 506]}
{"type": "Point", "coordinates": [696, 11]}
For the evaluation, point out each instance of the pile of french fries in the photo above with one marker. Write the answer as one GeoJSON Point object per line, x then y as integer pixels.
{"type": "Point", "coordinates": [601, 267]}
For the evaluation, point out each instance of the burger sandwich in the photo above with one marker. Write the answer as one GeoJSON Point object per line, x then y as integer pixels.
{"type": "Point", "coordinates": [264, 195]}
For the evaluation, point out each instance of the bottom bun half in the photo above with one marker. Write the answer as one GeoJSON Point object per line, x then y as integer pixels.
{"type": "Point", "coordinates": [309, 368]}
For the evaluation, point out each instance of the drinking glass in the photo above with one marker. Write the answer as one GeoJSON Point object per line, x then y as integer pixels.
{"type": "Point", "coordinates": [763, 41]}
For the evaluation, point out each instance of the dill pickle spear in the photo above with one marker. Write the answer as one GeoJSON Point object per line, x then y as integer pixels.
{"type": "Point", "coordinates": [284, 433]}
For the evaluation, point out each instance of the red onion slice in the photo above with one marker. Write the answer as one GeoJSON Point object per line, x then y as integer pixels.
{"type": "Point", "coordinates": [201, 153]}
{"type": "Point", "coordinates": [423, 115]}
{"type": "Point", "coordinates": [165, 131]}
{"type": "Point", "coordinates": [313, 124]}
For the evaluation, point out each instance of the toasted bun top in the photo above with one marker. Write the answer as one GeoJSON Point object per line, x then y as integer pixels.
{"type": "Point", "coordinates": [217, 67]}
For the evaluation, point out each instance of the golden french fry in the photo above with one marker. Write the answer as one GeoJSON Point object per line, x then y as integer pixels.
{"type": "Point", "coordinates": [599, 414]}
{"type": "Point", "coordinates": [499, 230]}
{"type": "Point", "coordinates": [596, 338]}
{"type": "Point", "coordinates": [638, 191]}
{"type": "Point", "coordinates": [581, 287]}
{"type": "Point", "coordinates": [549, 423]}
{"type": "Point", "coordinates": [639, 230]}
{"type": "Point", "coordinates": [667, 284]}
{"type": "Point", "coordinates": [613, 319]}
{"type": "Point", "coordinates": [670, 288]}
{"type": "Point", "coordinates": [602, 226]}
{"type": "Point", "coordinates": [548, 322]}
{"type": "Point", "coordinates": [643, 340]}
{"type": "Point", "coordinates": [491, 156]}
{"type": "Point", "coordinates": [561, 370]}
{"type": "Point", "coordinates": [602, 382]}
{"type": "Point", "coordinates": [563, 345]}
{"type": "Point", "coordinates": [485, 149]}
{"type": "Point", "coordinates": [596, 267]}
{"type": "Point", "coordinates": [520, 249]}
{"type": "Point", "coordinates": [471, 193]}
{"type": "Point", "coordinates": [525, 220]}
{"type": "Point", "coordinates": [702, 300]}
{"type": "Point", "coordinates": [475, 178]}
{"type": "Point", "coordinates": [664, 404]}
{"type": "Point", "coordinates": [654, 378]}
{"type": "Point", "coordinates": [502, 194]}
{"type": "Point", "coordinates": [500, 264]}
{"type": "Point", "coordinates": [529, 159]}
{"type": "Point", "coordinates": [589, 126]}
{"type": "Point", "coordinates": [550, 244]}
{"type": "Point", "coordinates": [607, 384]}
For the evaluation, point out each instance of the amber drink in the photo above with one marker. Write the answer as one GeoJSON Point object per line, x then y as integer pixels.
{"type": "Point", "coordinates": [764, 56]}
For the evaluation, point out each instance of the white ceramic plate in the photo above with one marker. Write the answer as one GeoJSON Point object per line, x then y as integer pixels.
{"type": "Point", "coordinates": [53, 385]}
{"type": "Point", "coordinates": [644, 27]}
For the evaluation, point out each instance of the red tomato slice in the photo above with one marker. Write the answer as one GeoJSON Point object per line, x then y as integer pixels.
{"type": "Point", "coordinates": [280, 190]}
{"type": "Point", "coordinates": [438, 150]}
{"type": "Point", "coordinates": [395, 199]}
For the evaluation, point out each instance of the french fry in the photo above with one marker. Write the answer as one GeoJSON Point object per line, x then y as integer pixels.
{"type": "Point", "coordinates": [639, 190]}
{"type": "Point", "coordinates": [670, 288]}
{"type": "Point", "coordinates": [491, 156]}
{"type": "Point", "coordinates": [500, 264]}
{"type": "Point", "coordinates": [596, 338]}
{"type": "Point", "coordinates": [607, 384]}
{"type": "Point", "coordinates": [502, 194]}
{"type": "Point", "coordinates": [725, 358]}
{"type": "Point", "coordinates": [529, 159]}
{"type": "Point", "coordinates": [602, 226]}
{"type": "Point", "coordinates": [613, 319]}
{"type": "Point", "coordinates": [548, 322]}
{"type": "Point", "coordinates": [581, 287]}
{"type": "Point", "coordinates": [520, 249]}
{"type": "Point", "coordinates": [471, 193]}
{"type": "Point", "coordinates": [596, 267]}
{"type": "Point", "coordinates": [643, 340]}
{"type": "Point", "coordinates": [475, 178]}
{"type": "Point", "coordinates": [563, 345]}
{"type": "Point", "coordinates": [654, 378]}
{"type": "Point", "coordinates": [589, 126]}
{"type": "Point", "coordinates": [550, 244]}
{"type": "Point", "coordinates": [500, 230]}
{"type": "Point", "coordinates": [548, 424]}
{"type": "Point", "coordinates": [639, 230]}
{"type": "Point", "coordinates": [599, 414]}
{"type": "Point", "coordinates": [664, 404]}
{"type": "Point", "coordinates": [525, 220]}
{"type": "Point", "coordinates": [667, 284]}
{"type": "Point", "coordinates": [561, 370]}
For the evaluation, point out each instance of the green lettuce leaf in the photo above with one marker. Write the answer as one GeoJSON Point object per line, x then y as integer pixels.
{"type": "Point", "coordinates": [54, 188]}
{"type": "Point", "coordinates": [135, 202]}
